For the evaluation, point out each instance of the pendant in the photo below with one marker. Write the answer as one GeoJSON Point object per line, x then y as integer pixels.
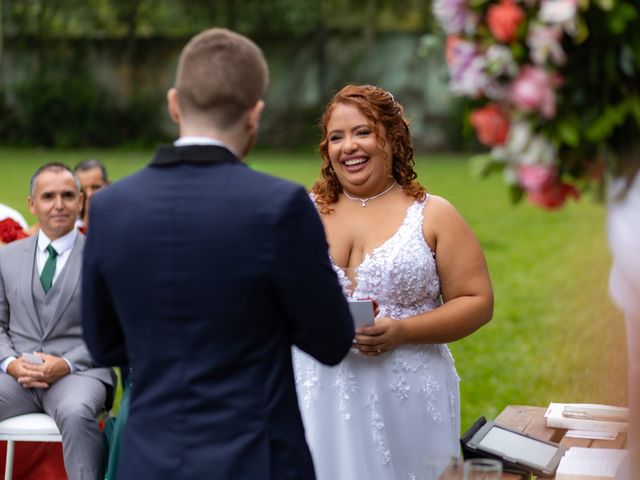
{"type": "Point", "coordinates": [364, 203]}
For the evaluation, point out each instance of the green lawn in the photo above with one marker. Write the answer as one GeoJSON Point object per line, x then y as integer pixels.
{"type": "Point", "coordinates": [555, 335]}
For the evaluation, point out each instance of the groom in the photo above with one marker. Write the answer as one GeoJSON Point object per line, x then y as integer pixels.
{"type": "Point", "coordinates": [200, 274]}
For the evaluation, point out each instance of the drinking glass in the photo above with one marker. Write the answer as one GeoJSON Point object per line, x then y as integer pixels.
{"type": "Point", "coordinates": [443, 467]}
{"type": "Point", "coordinates": [482, 469]}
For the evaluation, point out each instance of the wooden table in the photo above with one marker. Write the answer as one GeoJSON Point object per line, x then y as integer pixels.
{"type": "Point", "coordinates": [531, 420]}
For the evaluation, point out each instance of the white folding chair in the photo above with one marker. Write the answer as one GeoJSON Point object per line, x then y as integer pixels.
{"type": "Point", "coordinates": [31, 427]}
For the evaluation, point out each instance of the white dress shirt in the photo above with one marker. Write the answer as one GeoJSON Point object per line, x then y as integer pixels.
{"type": "Point", "coordinates": [62, 245]}
{"type": "Point", "coordinates": [199, 140]}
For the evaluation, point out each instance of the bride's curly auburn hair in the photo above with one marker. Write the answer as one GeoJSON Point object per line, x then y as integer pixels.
{"type": "Point", "coordinates": [380, 108]}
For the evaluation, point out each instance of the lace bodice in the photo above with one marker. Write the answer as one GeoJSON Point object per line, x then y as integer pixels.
{"type": "Point", "coordinates": [394, 416]}
{"type": "Point", "coordinates": [401, 273]}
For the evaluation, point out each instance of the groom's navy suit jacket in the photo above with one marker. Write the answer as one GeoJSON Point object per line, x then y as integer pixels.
{"type": "Point", "coordinates": [200, 274]}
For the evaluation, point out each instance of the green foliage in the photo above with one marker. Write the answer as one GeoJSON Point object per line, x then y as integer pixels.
{"type": "Point", "coordinates": [612, 117]}
{"type": "Point", "coordinates": [483, 164]}
{"type": "Point", "coordinates": [74, 111]}
{"type": "Point", "coordinates": [145, 18]}
{"type": "Point", "coordinates": [555, 336]}
{"type": "Point", "coordinates": [600, 98]}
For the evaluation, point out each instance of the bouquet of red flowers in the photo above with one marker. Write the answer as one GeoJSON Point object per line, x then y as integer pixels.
{"type": "Point", "coordinates": [11, 230]}
{"type": "Point", "coordinates": [553, 85]}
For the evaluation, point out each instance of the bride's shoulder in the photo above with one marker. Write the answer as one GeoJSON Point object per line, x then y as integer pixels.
{"type": "Point", "coordinates": [437, 205]}
{"type": "Point", "coordinates": [440, 213]}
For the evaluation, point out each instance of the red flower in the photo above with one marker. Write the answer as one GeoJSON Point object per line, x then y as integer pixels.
{"type": "Point", "coordinates": [491, 124]}
{"type": "Point", "coordinates": [504, 19]}
{"type": "Point", "coordinates": [553, 195]}
{"type": "Point", "coordinates": [11, 230]}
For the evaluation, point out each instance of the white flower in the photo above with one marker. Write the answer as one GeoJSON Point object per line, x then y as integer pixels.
{"type": "Point", "coordinates": [544, 42]}
{"type": "Point", "coordinates": [523, 147]}
{"type": "Point", "coordinates": [500, 61]}
{"type": "Point", "coordinates": [519, 136]}
{"type": "Point", "coordinates": [539, 152]}
{"type": "Point", "coordinates": [558, 11]}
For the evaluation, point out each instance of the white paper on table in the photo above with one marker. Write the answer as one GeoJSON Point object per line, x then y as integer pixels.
{"type": "Point", "coordinates": [590, 463]}
{"type": "Point", "coordinates": [555, 419]}
{"type": "Point", "coordinates": [591, 434]}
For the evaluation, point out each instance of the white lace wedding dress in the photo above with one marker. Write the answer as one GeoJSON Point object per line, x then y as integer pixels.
{"type": "Point", "coordinates": [394, 416]}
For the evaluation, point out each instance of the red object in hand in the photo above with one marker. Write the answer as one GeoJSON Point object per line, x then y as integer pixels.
{"type": "Point", "coordinates": [376, 307]}
{"type": "Point", "coordinates": [11, 230]}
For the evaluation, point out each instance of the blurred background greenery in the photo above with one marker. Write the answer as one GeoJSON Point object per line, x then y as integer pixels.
{"type": "Point", "coordinates": [555, 336]}
{"type": "Point", "coordinates": [95, 72]}
{"type": "Point", "coordinates": [87, 78]}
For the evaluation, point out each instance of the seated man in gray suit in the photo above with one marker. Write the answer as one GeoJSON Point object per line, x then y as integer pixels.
{"type": "Point", "coordinates": [40, 317]}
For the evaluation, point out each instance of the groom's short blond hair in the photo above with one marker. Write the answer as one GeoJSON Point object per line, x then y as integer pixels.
{"type": "Point", "coordinates": [221, 74]}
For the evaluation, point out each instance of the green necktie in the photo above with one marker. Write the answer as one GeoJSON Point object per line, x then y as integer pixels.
{"type": "Point", "coordinates": [49, 270]}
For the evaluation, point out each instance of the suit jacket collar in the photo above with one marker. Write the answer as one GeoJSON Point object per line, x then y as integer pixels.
{"type": "Point", "coordinates": [68, 282]}
{"type": "Point", "coordinates": [194, 154]}
{"type": "Point", "coordinates": [26, 281]}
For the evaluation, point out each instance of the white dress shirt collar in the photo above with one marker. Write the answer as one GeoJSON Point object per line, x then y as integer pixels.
{"type": "Point", "coordinates": [60, 245]}
{"type": "Point", "coordinates": [197, 140]}
{"type": "Point", "coordinates": [201, 140]}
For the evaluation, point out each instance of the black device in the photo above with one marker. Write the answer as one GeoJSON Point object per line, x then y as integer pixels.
{"type": "Point", "coordinates": [517, 451]}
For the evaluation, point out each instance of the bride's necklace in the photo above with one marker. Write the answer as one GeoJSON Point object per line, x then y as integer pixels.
{"type": "Point", "coordinates": [365, 200]}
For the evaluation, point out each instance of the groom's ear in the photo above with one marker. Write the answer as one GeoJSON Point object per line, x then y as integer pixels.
{"type": "Point", "coordinates": [172, 105]}
{"type": "Point", "coordinates": [252, 119]}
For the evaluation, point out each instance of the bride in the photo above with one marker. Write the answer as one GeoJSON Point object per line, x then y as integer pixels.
{"type": "Point", "coordinates": [391, 409]}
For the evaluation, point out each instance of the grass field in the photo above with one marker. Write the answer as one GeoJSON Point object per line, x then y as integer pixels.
{"type": "Point", "coordinates": [555, 335]}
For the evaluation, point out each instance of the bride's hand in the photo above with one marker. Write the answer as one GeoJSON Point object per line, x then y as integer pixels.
{"type": "Point", "coordinates": [383, 336]}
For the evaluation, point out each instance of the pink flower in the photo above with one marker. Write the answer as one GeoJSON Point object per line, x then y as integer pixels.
{"type": "Point", "coordinates": [466, 69]}
{"type": "Point", "coordinates": [535, 178]}
{"type": "Point", "coordinates": [533, 90]}
{"type": "Point", "coordinates": [491, 124]}
{"type": "Point", "coordinates": [553, 196]}
{"type": "Point", "coordinates": [504, 19]}
{"type": "Point", "coordinates": [455, 15]}
{"type": "Point", "coordinates": [450, 48]}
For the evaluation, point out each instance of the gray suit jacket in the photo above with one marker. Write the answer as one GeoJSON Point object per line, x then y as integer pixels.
{"type": "Point", "coordinates": [20, 328]}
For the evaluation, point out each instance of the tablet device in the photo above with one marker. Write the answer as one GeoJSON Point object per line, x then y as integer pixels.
{"type": "Point", "coordinates": [362, 312]}
{"type": "Point", "coordinates": [515, 449]}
